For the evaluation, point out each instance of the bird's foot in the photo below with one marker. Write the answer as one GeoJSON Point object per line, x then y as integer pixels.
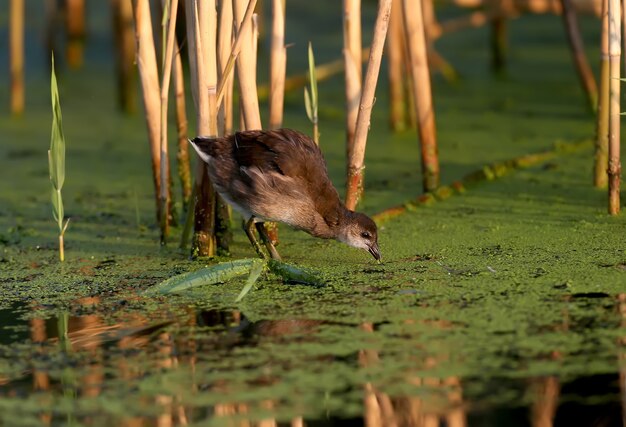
{"type": "Point", "coordinates": [249, 229]}
{"type": "Point", "coordinates": [267, 241]}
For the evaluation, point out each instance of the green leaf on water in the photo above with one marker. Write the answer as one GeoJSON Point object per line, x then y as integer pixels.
{"type": "Point", "coordinates": [228, 270]}
{"type": "Point", "coordinates": [291, 273]}
{"type": "Point", "coordinates": [205, 276]}
{"type": "Point", "coordinates": [255, 272]}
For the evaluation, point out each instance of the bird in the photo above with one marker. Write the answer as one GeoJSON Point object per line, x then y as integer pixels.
{"type": "Point", "coordinates": [280, 175]}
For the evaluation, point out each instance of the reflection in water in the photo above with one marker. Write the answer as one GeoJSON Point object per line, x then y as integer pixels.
{"type": "Point", "coordinates": [384, 410]}
{"type": "Point", "coordinates": [208, 366]}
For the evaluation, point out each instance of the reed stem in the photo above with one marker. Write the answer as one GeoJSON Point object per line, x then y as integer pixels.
{"type": "Point", "coordinates": [122, 14]}
{"type": "Point", "coordinates": [182, 155]}
{"type": "Point", "coordinates": [601, 157]}
{"type": "Point", "coordinates": [61, 248]}
{"type": "Point", "coordinates": [224, 43]}
{"type": "Point", "coordinates": [278, 65]}
{"type": "Point", "coordinates": [396, 48]}
{"type": "Point", "coordinates": [246, 67]}
{"type": "Point", "coordinates": [16, 48]}
{"type": "Point", "coordinates": [583, 69]}
{"type": "Point", "coordinates": [201, 18]}
{"type": "Point", "coordinates": [422, 94]}
{"type": "Point", "coordinates": [148, 73]}
{"type": "Point", "coordinates": [356, 153]}
{"type": "Point", "coordinates": [498, 35]}
{"type": "Point", "coordinates": [75, 25]}
{"type": "Point", "coordinates": [243, 26]}
{"type": "Point", "coordinates": [169, 36]}
{"type": "Point", "coordinates": [614, 169]}
{"type": "Point", "coordinates": [353, 65]}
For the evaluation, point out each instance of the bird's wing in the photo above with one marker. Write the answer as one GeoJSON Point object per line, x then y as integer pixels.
{"type": "Point", "coordinates": [251, 149]}
{"type": "Point", "coordinates": [287, 152]}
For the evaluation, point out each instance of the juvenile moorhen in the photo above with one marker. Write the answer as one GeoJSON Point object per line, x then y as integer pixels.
{"type": "Point", "coordinates": [280, 175]}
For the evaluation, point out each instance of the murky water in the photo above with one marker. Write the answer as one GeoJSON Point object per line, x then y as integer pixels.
{"type": "Point", "coordinates": [220, 368]}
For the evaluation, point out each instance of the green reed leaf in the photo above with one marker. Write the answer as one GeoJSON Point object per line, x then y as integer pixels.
{"type": "Point", "coordinates": [57, 208]}
{"type": "Point", "coordinates": [291, 273]}
{"type": "Point", "coordinates": [313, 81]}
{"type": "Point", "coordinates": [56, 159]}
{"type": "Point", "coordinates": [205, 276]}
{"type": "Point", "coordinates": [255, 272]}
{"type": "Point", "coordinates": [307, 104]}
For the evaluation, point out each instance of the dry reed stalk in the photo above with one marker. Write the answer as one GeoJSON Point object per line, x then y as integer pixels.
{"type": "Point", "coordinates": [600, 177]}
{"type": "Point", "coordinates": [182, 154]}
{"type": "Point", "coordinates": [587, 79]}
{"type": "Point", "coordinates": [356, 153]}
{"type": "Point", "coordinates": [169, 36]}
{"type": "Point", "coordinates": [353, 68]}
{"type": "Point", "coordinates": [396, 49]}
{"type": "Point", "coordinates": [498, 43]}
{"type": "Point", "coordinates": [149, 76]}
{"type": "Point", "coordinates": [122, 15]}
{"type": "Point", "coordinates": [224, 44]}
{"type": "Point", "coordinates": [222, 216]}
{"type": "Point", "coordinates": [422, 94]}
{"type": "Point", "coordinates": [430, 20]}
{"type": "Point", "coordinates": [16, 47]}
{"type": "Point", "coordinates": [278, 64]}
{"type": "Point", "coordinates": [246, 74]}
{"type": "Point", "coordinates": [201, 18]}
{"type": "Point", "coordinates": [242, 121]}
{"type": "Point", "coordinates": [255, 48]}
{"type": "Point", "coordinates": [271, 228]}
{"type": "Point", "coordinates": [614, 169]}
{"type": "Point", "coordinates": [411, 116]}
{"type": "Point", "coordinates": [244, 26]}
{"type": "Point", "coordinates": [201, 122]}
{"type": "Point", "coordinates": [75, 25]}
{"type": "Point", "coordinates": [246, 68]}
{"type": "Point", "coordinates": [498, 34]}
{"type": "Point", "coordinates": [196, 69]}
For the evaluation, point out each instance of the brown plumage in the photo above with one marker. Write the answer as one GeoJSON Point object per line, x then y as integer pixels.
{"type": "Point", "coordinates": [280, 175]}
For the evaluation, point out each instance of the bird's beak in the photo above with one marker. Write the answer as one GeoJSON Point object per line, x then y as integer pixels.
{"type": "Point", "coordinates": [375, 251]}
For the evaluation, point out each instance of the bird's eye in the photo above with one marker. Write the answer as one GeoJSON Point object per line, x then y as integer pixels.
{"type": "Point", "coordinates": [366, 235]}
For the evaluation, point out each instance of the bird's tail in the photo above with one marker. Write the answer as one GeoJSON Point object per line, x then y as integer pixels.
{"type": "Point", "coordinates": [203, 146]}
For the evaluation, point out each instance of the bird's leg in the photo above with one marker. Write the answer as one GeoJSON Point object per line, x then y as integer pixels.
{"type": "Point", "coordinates": [248, 228]}
{"type": "Point", "coordinates": [267, 241]}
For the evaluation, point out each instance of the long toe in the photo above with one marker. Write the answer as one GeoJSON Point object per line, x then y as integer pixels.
{"type": "Point", "coordinates": [273, 252]}
{"type": "Point", "coordinates": [249, 229]}
{"type": "Point", "coordinates": [267, 241]}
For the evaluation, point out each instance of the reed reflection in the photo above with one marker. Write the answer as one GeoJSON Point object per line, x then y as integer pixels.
{"type": "Point", "coordinates": [191, 352]}
{"type": "Point", "coordinates": [382, 409]}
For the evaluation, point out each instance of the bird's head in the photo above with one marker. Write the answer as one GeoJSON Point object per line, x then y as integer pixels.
{"type": "Point", "coordinates": [360, 231]}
